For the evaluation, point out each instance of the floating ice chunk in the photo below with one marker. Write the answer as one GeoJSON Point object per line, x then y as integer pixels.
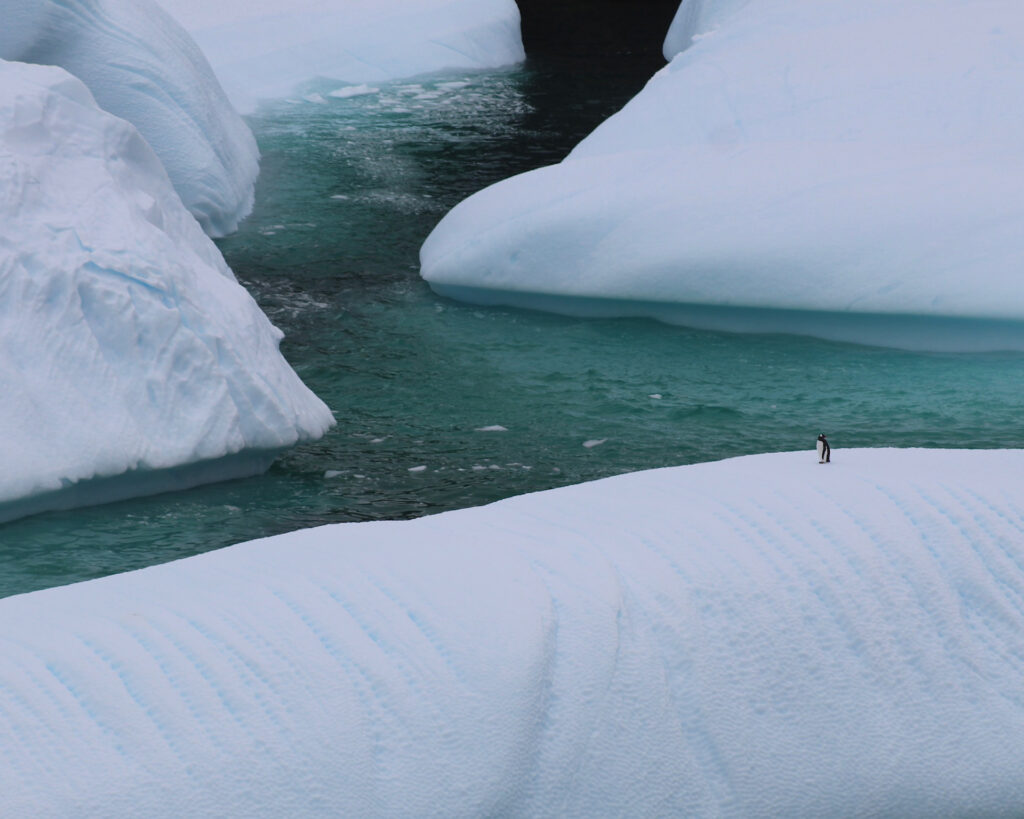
{"type": "Point", "coordinates": [780, 176]}
{"type": "Point", "coordinates": [594, 442]}
{"type": "Point", "coordinates": [492, 428]}
{"type": "Point", "coordinates": [316, 99]}
{"type": "Point", "coordinates": [353, 91]}
{"type": "Point", "coordinates": [141, 66]}
{"type": "Point", "coordinates": [266, 48]}
{"type": "Point", "coordinates": [131, 360]}
{"type": "Point", "coordinates": [417, 468]}
{"type": "Point", "coordinates": [655, 395]}
{"type": "Point", "coordinates": [334, 473]}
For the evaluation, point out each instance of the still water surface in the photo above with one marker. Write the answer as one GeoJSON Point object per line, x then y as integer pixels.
{"type": "Point", "coordinates": [350, 187]}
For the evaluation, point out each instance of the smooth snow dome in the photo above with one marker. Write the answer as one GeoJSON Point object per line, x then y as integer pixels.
{"type": "Point", "coordinates": [141, 66]}
{"type": "Point", "coordinates": [859, 158]}
{"type": "Point", "coordinates": [126, 345]}
{"type": "Point", "coordinates": [267, 48]}
{"type": "Point", "coordinates": [764, 636]}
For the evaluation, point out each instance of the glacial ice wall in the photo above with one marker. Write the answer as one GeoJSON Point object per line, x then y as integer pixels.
{"type": "Point", "coordinates": [267, 49]}
{"type": "Point", "coordinates": [141, 66]}
{"type": "Point", "coordinates": [763, 636]}
{"type": "Point", "coordinates": [856, 159]}
{"type": "Point", "coordinates": [127, 348]}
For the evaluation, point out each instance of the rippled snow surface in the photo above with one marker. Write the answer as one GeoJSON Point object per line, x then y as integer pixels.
{"type": "Point", "coordinates": [489, 402]}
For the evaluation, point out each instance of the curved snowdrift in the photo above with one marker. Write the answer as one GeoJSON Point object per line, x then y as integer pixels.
{"type": "Point", "coordinates": [126, 345]}
{"type": "Point", "coordinates": [757, 637]}
{"type": "Point", "coordinates": [141, 66]}
{"type": "Point", "coordinates": [266, 48]}
{"type": "Point", "coordinates": [856, 158]}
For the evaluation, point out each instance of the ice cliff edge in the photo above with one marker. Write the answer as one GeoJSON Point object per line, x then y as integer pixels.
{"type": "Point", "coordinates": [126, 345]}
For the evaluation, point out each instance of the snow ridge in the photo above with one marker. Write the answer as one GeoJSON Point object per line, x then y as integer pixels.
{"type": "Point", "coordinates": [141, 66]}
{"type": "Point", "coordinates": [762, 636]}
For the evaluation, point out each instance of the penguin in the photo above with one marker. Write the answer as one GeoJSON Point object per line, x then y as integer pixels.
{"type": "Point", "coordinates": [824, 450]}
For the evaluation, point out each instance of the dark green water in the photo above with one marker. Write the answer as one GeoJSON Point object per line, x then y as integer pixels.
{"type": "Point", "coordinates": [349, 190]}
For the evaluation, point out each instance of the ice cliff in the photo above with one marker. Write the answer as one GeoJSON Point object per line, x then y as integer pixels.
{"type": "Point", "coordinates": [756, 637]}
{"type": "Point", "coordinates": [266, 48]}
{"type": "Point", "coordinates": [141, 66]}
{"type": "Point", "coordinates": [797, 166]}
{"type": "Point", "coordinates": [128, 352]}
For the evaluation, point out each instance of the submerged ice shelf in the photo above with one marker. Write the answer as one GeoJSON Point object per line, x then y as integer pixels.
{"type": "Point", "coordinates": [777, 164]}
{"type": "Point", "coordinates": [747, 637]}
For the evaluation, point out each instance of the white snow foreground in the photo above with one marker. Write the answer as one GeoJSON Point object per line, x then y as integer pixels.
{"type": "Point", "coordinates": [857, 159]}
{"type": "Point", "coordinates": [763, 636]}
{"type": "Point", "coordinates": [268, 48]}
{"type": "Point", "coordinates": [127, 348]}
{"type": "Point", "coordinates": [141, 66]}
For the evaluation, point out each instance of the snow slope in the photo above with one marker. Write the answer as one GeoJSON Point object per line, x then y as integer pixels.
{"type": "Point", "coordinates": [762, 636]}
{"type": "Point", "coordinates": [141, 66]}
{"type": "Point", "coordinates": [266, 48]}
{"type": "Point", "coordinates": [127, 348]}
{"type": "Point", "coordinates": [859, 159]}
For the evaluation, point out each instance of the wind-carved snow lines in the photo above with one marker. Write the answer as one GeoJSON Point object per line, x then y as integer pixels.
{"type": "Point", "coordinates": [26, 731]}
{"type": "Point", "coordinates": [138, 696]}
{"type": "Point", "coordinates": [427, 631]}
{"type": "Point", "coordinates": [177, 678]}
{"type": "Point", "coordinates": [246, 670]}
{"type": "Point", "coordinates": [82, 698]}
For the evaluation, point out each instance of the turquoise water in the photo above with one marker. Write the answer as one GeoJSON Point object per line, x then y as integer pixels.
{"type": "Point", "coordinates": [349, 190]}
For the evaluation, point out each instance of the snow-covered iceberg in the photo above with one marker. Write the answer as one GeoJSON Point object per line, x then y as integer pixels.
{"type": "Point", "coordinates": [267, 48]}
{"type": "Point", "coordinates": [798, 166]}
{"type": "Point", "coordinates": [130, 358]}
{"type": "Point", "coordinates": [142, 66]}
{"type": "Point", "coordinates": [756, 637]}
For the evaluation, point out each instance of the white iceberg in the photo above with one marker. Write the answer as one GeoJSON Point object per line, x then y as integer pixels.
{"type": "Point", "coordinates": [798, 166]}
{"type": "Point", "coordinates": [130, 358]}
{"type": "Point", "coordinates": [266, 48]}
{"type": "Point", "coordinates": [141, 66]}
{"type": "Point", "coordinates": [763, 636]}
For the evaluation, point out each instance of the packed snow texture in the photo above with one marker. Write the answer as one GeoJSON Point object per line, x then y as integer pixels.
{"type": "Point", "coordinates": [859, 158]}
{"type": "Point", "coordinates": [126, 345]}
{"type": "Point", "coordinates": [764, 636]}
{"type": "Point", "coordinates": [141, 66]}
{"type": "Point", "coordinates": [267, 49]}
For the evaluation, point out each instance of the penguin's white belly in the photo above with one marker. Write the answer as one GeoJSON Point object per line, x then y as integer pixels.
{"type": "Point", "coordinates": [821, 450]}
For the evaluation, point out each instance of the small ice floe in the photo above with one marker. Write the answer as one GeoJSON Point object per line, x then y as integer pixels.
{"type": "Point", "coordinates": [378, 440]}
{"type": "Point", "coordinates": [479, 467]}
{"type": "Point", "coordinates": [334, 473]}
{"type": "Point", "coordinates": [353, 91]}
{"type": "Point", "coordinates": [340, 196]}
{"type": "Point", "coordinates": [315, 98]}
{"type": "Point", "coordinates": [655, 395]}
{"type": "Point", "coordinates": [417, 468]}
{"type": "Point", "coordinates": [453, 86]}
{"type": "Point", "coordinates": [492, 428]}
{"type": "Point", "coordinates": [594, 442]}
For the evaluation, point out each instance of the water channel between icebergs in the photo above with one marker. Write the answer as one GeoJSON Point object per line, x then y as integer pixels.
{"type": "Point", "coordinates": [350, 187]}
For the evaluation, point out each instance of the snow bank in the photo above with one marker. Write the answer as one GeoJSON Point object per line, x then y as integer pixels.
{"type": "Point", "coordinates": [126, 345]}
{"type": "Point", "coordinates": [266, 48]}
{"type": "Point", "coordinates": [763, 636]}
{"type": "Point", "coordinates": [140, 65]}
{"type": "Point", "coordinates": [859, 159]}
